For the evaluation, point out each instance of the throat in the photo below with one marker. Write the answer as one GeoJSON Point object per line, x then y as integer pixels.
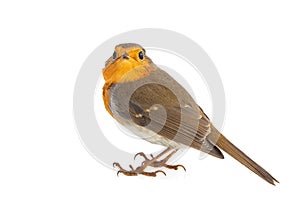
{"type": "Point", "coordinates": [128, 75]}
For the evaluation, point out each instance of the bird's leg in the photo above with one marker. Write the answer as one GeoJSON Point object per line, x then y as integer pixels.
{"type": "Point", "coordinates": [140, 169]}
{"type": "Point", "coordinates": [163, 162]}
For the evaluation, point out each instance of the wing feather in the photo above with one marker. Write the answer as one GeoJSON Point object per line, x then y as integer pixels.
{"type": "Point", "coordinates": [162, 105]}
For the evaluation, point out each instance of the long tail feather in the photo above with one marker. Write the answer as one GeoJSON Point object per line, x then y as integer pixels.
{"type": "Point", "coordinates": [222, 142]}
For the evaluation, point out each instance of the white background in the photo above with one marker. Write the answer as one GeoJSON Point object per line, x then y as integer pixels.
{"type": "Point", "coordinates": [254, 45]}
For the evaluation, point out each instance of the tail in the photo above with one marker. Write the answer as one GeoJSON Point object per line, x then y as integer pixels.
{"type": "Point", "coordinates": [221, 141]}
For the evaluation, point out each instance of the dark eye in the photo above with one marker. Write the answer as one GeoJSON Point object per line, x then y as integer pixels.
{"type": "Point", "coordinates": [141, 55]}
{"type": "Point", "coordinates": [114, 55]}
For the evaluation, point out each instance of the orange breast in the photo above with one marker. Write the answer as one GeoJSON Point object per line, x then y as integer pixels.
{"type": "Point", "coordinates": [116, 75]}
{"type": "Point", "coordinates": [106, 97]}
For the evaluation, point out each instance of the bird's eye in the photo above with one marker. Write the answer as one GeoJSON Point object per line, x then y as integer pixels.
{"type": "Point", "coordinates": [114, 56]}
{"type": "Point", "coordinates": [141, 55]}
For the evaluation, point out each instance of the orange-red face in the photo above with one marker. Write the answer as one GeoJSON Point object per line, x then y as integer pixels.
{"type": "Point", "coordinates": [126, 60]}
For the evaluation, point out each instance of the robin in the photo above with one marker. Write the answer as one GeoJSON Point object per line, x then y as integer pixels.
{"type": "Point", "coordinates": [149, 102]}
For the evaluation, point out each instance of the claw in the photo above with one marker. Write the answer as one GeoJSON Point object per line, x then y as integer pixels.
{"type": "Point", "coordinates": [127, 173]}
{"type": "Point", "coordinates": [137, 155]}
{"type": "Point", "coordinates": [175, 167]}
{"type": "Point", "coordinates": [131, 167]}
{"type": "Point", "coordinates": [161, 172]}
{"type": "Point", "coordinates": [141, 154]}
{"type": "Point", "coordinates": [115, 164]}
{"type": "Point", "coordinates": [153, 174]}
{"type": "Point", "coordinates": [182, 167]}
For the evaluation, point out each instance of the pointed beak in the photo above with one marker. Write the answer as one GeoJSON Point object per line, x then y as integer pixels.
{"type": "Point", "coordinates": [125, 56]}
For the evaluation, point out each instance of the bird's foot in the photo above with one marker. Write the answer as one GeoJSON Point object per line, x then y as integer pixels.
{"type": "Point", "coordinates": [175, 167]}
{"type": "Point", "coordinates": [161, 163]}
{"type": "Point", "coordinates": [137, 171]}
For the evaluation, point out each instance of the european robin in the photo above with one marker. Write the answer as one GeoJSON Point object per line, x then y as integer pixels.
{"type": "Point", "coordinates": [154, 106]}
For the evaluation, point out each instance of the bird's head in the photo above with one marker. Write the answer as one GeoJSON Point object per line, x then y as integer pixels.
{"type": "Point", "coordinates": [127, 63]}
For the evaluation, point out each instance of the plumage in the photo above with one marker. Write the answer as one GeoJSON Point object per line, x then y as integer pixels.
{"type": "Point", "coordinates": [153, 105]}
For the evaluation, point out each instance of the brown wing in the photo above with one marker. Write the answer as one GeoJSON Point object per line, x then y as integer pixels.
{"type": "Point", "coordinates": [161, 105]}
{"type": "Point", "coordinates": [157, 108]}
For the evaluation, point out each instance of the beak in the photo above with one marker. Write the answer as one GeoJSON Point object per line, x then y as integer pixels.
{"type": "Point", "coordinates": [125, 56]}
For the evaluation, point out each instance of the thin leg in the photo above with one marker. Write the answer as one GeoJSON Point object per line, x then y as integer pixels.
{"type": "Point", "coordinates": [150, 162]}
{"type": "Point", "coordinates": [163, 162]}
